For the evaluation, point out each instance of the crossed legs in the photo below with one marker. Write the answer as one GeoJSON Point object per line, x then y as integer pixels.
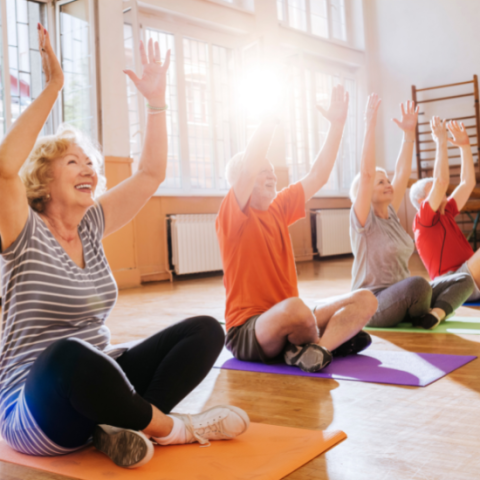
{"type": "Point", "coordinates": [72, 387]}
{"type": "Point", "coordinates": [334, 322]}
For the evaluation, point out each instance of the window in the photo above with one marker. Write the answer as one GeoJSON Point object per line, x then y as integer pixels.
{"type": "Point", "coordinates": [307, 129]}
{"type": "Point", "coordinates": [78, 101]}
{"type": "Point", "coordinates": [201, 134]}
{"type": "Point", "coordinates": [174, 176]}
{"type": "Point", "coordinates": [324, 18]}
{"type": "Point", "coordinates": [22, 78]}
{"type": "Point", "coordinates": [24, 63]}
{"type": "Point", "coordinates": [243, 4]}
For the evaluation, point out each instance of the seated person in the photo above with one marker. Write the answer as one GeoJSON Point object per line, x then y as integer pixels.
{"type": "Point", "coordinates": [61, 382]}
{"type": "Point", "coordinates": [264, 316]}
{"type": "Point", "coordinates": [441, 244]}
{"type": "Point", "coordinates": [382, 247]}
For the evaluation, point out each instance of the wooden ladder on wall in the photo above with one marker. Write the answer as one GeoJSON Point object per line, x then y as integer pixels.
{"type": "Point", "coordinates": [472, 123]}
{"type": "Point", "coordinates": [425, 146]}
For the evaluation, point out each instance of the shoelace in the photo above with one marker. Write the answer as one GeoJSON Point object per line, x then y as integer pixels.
{"type": "Point", "coordinates": [201, 440]}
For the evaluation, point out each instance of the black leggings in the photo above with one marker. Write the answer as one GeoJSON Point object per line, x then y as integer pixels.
{"type": "Point", "coordinates": [72, 386]}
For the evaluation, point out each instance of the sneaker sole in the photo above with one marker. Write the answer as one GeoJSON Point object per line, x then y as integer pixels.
{"type": "Point", "coordinates": [297, 362]}
{"type": "Point", "coordinates": [127, 448]}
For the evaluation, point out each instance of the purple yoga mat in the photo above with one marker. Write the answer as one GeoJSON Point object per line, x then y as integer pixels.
{"type": "Point", "coordinates": [377, 366]}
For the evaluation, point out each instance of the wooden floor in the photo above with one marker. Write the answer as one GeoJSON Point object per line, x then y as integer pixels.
{"type": "Point", "coordinates": [393, 432]}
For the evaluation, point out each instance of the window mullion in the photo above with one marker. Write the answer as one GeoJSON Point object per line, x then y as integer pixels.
{"type": "Point", "coordinates": [182, 115]}
{"type": "Point", "coordinates": [285, 12]}
{"type": "Point", "coordinates": [329, 19]}
{"type": "Point", "coordinates": [213, 120]}
{"type": "Point", "coordinates": [6, 68]}
{"type": "Point", "coordinates": [304, 113]}
{"type": "Point", "coordinates": [136, 36]}
{"type": "Point", "coordinates": [308, 15]}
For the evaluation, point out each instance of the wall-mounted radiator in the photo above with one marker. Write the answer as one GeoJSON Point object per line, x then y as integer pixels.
{"type": "Point", "coordinates": [332, 231]}
{"type": "Point", "coordinates": [193, 244]}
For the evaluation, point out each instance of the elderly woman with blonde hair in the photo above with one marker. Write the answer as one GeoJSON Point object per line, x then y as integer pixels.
{"type": "Point", "coordinates": [382, 247]}
{"type": "Point", "coordinates": [61, 381]}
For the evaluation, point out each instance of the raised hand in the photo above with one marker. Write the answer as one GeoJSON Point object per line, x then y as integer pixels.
{"type": "Point", "coordinates": [409, 118]}
{"type": "Point", "coordinates": [459, 132]}
{"type": "Point", "coordinates": [373, 102]}
{"type": "Point", "coordinates": [439, 129]}
{"type": "Point", "coordinates": [338, 108]}
{"type": "Point", "coordinates": [153, 83]}
{"type": "Point", "coordinates": [50, 64]}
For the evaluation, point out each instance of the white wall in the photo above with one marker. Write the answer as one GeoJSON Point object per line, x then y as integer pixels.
{"type": "Point", "coordinates": [417, 42]}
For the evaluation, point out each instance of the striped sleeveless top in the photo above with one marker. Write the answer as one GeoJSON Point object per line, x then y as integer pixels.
{"type": "Point", "coordinates": [47, 297]}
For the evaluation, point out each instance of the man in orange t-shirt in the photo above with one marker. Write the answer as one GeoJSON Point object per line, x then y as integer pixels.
{"type": "Point", "coordinates": [264, 316]}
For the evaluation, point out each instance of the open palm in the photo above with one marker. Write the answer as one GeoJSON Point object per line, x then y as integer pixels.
{"type": "Point", "coordinates": [153, 83]}
{"type": "Point", "coordinates": [409, 118]}
{"type": "Point", "coordinates": [338, 107]}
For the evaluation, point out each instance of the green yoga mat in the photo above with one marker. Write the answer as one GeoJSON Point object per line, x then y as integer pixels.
{"type": "Point", "coordinates": [454, 325]}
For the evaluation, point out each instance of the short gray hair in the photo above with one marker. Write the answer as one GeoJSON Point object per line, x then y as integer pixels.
{"type": "Point", "coordinates": [417, 191]}
{"type": "Point", "coordinates": [356, 183]}
{"type": "Point", "coordinates": [233, 168]}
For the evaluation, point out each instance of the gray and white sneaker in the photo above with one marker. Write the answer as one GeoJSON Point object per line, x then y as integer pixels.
{"type": "Point", "coordinates": [223, 422]}
{"type": "Point", "coordinates": [126, 448]}
{"type": "Point", "coordinates": [309, 357]}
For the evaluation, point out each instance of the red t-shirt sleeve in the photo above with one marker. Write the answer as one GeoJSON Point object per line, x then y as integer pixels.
{"type": "Point", "coordinates": [291, 201]}
{"type": "Point", "coordinates": [452, 207]}
{"type": "Point", "coordinates": [425, 216]}
{"type": "Point", "coordinates": [230, 218]}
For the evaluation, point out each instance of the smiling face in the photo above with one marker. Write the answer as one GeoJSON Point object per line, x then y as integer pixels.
{"type": "Point", "coordinates": [264, 190]}
{"type": "Point", "coordinates": [74, 179]}
{"type": "Point", "coordinates": [382, 188]}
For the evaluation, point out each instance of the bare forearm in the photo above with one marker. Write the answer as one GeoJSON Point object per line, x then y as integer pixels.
{"type": "Point", "coordinates": [19, 141]}
{"type": "Point", "coordinates": [153, 161]}
{"type": "Point", "coordinates": [258, 146]}
{"type": "Point", "coordinates": [325, 160]}
{"type": "Point", "coordinates": [403, 167]}
{"type": "Point", "coordinates": [440, 170]}
{"type": "Point", "coordinates": [368, 160]}
{"type": "Point", "coordinates": [468, 169]}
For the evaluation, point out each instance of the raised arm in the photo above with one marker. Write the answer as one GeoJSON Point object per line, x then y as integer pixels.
{"type": "Point", "coordinates": [363, 200]}
{"type": "Point", "coordinates": [467, 177]}
{"type": "Point", "coordinates": [441, 173]}
{"type": "Point", "coordinates": [336, 114]}
{"type": "Point", "coordinates": [254, 159]}
{"type": "Point", "coordinates": [403, 167]}
{"type": "Point", "coordinates": [19, 142]}
{"type": "Point", "coordinates": [123, 202]}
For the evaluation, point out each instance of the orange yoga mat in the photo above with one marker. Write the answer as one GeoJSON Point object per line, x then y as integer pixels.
{"type": "Point", "coordinates": [264, 452]}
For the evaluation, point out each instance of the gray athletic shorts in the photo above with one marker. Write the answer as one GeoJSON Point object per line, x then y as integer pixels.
{"type": "Point", "coordinates": [476, 291]}
{"type": "Point", "coordinates": [243, 343]}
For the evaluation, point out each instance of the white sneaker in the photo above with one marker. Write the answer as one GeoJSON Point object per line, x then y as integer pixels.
{"type": "Point", "coordinates": [126, 448]}
{"type": "Point", "coordinates": [223, 422]}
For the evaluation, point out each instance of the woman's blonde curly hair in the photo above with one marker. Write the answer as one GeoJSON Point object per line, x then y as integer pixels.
{"type": "Point", "coordinates": [36, 172]}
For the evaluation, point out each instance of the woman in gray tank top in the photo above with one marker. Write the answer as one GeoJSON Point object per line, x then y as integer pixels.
{"type": "Point", "coordinates": [382, 247]}
{"type": "Point", "coordinates": [61, 382]}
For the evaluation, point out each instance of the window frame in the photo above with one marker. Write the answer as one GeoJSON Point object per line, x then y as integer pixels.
{"type": "Point", "coordinates": [345, 72]}
{"type": "Point", "coordinates": [53, 28]}
{"type": "Point", "coordinates": [285, 24]}
{"type": "Point", "coordinates": [93, 65]}
{"type": "Point", "coordinates": [180, 29]}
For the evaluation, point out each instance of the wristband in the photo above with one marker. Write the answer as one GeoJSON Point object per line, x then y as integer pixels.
{"type": "Point", "coordinates": [157, 109]}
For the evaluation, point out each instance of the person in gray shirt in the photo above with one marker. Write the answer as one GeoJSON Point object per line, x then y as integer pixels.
{"type": "Point", "coordinates": [382, 247]}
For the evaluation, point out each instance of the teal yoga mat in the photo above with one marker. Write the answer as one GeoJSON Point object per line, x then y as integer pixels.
{"type": "Point", "coordinates": [454, 325]}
